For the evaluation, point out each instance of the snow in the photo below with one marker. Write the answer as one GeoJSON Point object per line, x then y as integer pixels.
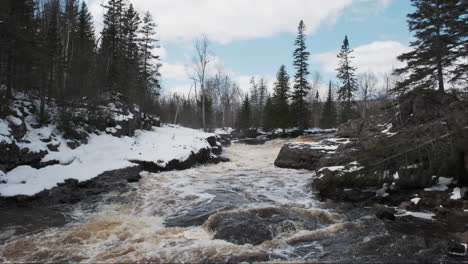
{"type": "Point", "coordinates": [103, 153]}
{"type": "Point", "coordinates": [224, 131]}
{"type": "Point", "coordinates": [120, 117]}
{"type": "Point", "coordinates": [382, 192]}
{"type": "Point", "coordinates": [313, 145]}
{"type": "Point", "coordinates": [456, 194]}
{"type": "Point", "coordinates": [14, 120]}
{"type": "Point", "coordinates": [415, 200]}
{"type": "Point", "coordinates": [442, 185]}
{"type": "Point", "coordinates": [333, 168]}
{"type": "Point", "coordinates": [387, 129]}
{"type": "Point", "coordinates": [426, 216]}
{"type": "Point", "coordinates": [34, 136]}
{"type": "Point", "coordinates": [396, 176]}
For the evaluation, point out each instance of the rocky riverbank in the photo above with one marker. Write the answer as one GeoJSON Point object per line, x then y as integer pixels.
{"type": "Point", "coordinates": [411, 161]}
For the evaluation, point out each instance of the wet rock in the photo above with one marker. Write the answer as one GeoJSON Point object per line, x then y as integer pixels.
{"type": "Point", "coordinates": [384, 212]}
{"type": "Point", "coordinates": [457, 221]}
{"type": "Point", "coordinates": [202, 156]}
{"type": "Point", "coordinates": [255, 226]}
{"type": "Point", "coordinates": [218, 159]}
{"type": "Point", "coordinates": [197, 216]}
{"type": "Point", "coordinates": [300, 156]}
{"type": "Point", "coordinates": [212, 141]}
{"type": "Point", "coordinates": [217, 150]}
{"type": "Point", "coordinates": [347, 195]}
{"type": "Point", "coordinates": [464, 193]}
{"type": "Point", "coordinates": [408, 206]}
{"type": "Point", "coordinates": [252, 141]}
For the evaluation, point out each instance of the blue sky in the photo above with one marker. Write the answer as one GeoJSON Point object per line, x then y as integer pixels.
{"type": "Point", "coordinates": [255, 37]}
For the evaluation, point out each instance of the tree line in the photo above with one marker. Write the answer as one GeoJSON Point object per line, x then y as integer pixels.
{"type": "Point", "coordinates": [49, 48]}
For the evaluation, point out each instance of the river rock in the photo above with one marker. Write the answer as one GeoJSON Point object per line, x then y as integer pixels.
{"type": "Point", "coordinates": [255, 226]}
{"type": "Point", "coordinates": [197, 216]}
{"type": "Point", "coordinates": [301, 156]}
{"type": "Point", "coordinates": [351, 129]}
{"type": "Point", "coordinates": [252, 141]}
{"type": "Point", "coordinates": [384, 212]}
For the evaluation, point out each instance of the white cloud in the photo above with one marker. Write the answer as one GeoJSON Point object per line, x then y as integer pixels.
{"type": "Point", "coordinates": [227, 20]}
{"type": "Point", "coordinates": [379, 57]}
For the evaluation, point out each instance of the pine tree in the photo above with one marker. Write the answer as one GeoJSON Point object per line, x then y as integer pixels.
{"type": "Point", "coordinates": [245, 114]}
{"type": "Point", "coordinates": [112, 45]}
{"type": "Point", "coordinates": [280, 100]}
{"type": "Point", "coordinates": [347, 77]}
{"type": "Point", "coordinates": [268, 114]}
{"type": "Point", "coordinates": [83, 58]}
{"type": "Point", "coordinates": [328, 119]}
{"type": "Point", "coordinates": [301, 86]}
{"type": "Point", "coordinates": [439, 41]}
{"type": "Point", "coordinates": [457, 28]}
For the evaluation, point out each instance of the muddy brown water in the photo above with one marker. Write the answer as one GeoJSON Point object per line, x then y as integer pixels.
{"type": "Point", "coordinates": [242, 211]}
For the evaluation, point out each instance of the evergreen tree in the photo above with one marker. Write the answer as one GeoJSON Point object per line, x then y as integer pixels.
{"type": "Point", "coordinates": [347, 77]}
{"type": "Point", "coordinates": [328, 119]}
{"type": "Point", "coordinates": [301, 86]}
{"type": "Point", "coordinates": [111, 48]}
{"type": "Point", "coordinates": [17, 44]}
{"type": "Point", "coordinates": [150, 64]}
{"type": "Point", "coordinates": [439, 28]}
{"type": "Point", "coordinates": [83, 58]}
{"type": "Point", "coordinates": [268, 114]}
{"type": "Point", "coordinates": [281, 95]}
{"type": "Point", "coordinates": [245, 114]}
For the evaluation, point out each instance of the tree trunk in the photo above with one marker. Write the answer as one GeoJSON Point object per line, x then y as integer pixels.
{"type": "Point", "coordinates": [440, 76]}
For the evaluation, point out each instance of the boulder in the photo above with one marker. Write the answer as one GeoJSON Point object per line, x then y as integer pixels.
{"type": "Point", "coordinates": [11, 156]}
{"type": "Point", "coordinates": [351, 129]}
{"type": "Point", "coordinates": [252, 141]}
{"type": "Point", "coordinates": [255, 226]}
{"type": "Point", "coordinates": [384, 212]}
{"type": "Point", "coordinates": [300, 156]}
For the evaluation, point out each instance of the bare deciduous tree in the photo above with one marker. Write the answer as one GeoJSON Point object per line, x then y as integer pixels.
{"type": "Point", "coordinates": [367, 88]}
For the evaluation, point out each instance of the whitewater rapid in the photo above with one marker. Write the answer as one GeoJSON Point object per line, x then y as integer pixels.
{"type": "Point", "coordinates": [135, 226]}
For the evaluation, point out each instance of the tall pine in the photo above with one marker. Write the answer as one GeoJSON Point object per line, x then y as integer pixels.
{"type": "Point", "coordinates": [328, 119]}
{"type": "Point", "coordinates": [282, 117]}
{"type": "Point", "coordinates": [301, 85]}
{"type": "Point", "coordinates": [347, 77]}
{"type": "Point", "coordinates": [439, 39]}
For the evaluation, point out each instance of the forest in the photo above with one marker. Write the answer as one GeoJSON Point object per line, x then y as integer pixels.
{"type": "Point", "coordinates": [50, 49]}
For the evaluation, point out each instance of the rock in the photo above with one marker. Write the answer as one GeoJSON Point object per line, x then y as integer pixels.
{"type": "Point", "coordinates": [255, 226]}
{"type": "Point", "coordinates": [408, 206]}
{"type": "Point", "coordinates": [217, 150]}
{"type": "Point", "coordinates": [73, 144]}
{"type": "Point", "coordinates": [252, 141]}
{"type": "Point", "coordinates": [457, 222]}
{"type": "Point", "coordinates": [464, 193]}
{"type": "Point", "coordinates": [384, 212]}
{"type": "Point", "coordinates": [351, 129]}
{"type": "Point", "coordinates": [11, 156]}
{"type": "Point", "coordinates": [300, 156]}
{"type": "Point", "coordinates": [222, 200]}
{"type": "Point", "coordinates": [218, 159]}
{"type": "Point", "coordinates": [456, 248]}
{"type": "Point", "coordinates": [53, 147]}
{"type": "Point", "coordinates": [212, 141]}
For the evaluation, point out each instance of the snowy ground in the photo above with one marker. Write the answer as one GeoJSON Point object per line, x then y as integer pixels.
{"type": "Point", "coordinates": [103, 153]}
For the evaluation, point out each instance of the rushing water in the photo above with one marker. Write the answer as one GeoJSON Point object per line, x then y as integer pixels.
{"type": "Point", "coordinates": [172, 217]}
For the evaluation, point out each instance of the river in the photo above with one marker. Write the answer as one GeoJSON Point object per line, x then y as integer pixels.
{"type": "Point", "coordinates": [245, 210]}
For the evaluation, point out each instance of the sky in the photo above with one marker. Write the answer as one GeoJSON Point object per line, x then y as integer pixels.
{"type": "Point", "coordinates": [255, 37]}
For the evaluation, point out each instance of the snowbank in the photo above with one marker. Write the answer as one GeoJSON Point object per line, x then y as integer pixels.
{"type": "Point", "coordinates": [103, 153]}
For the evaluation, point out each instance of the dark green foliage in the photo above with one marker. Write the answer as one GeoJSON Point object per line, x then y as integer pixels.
{"type": "Point", "coordinates": [245, 114]}
{"type": "Point", "coordinates": [347, 77]}
{"type": "Point", "coordinates": [301, 85]}
{"type": "Point", "coordinates": [439, 48]}
{"type": "Point", "coordinates": [328, 119]}
{"type": "Point", "coordinates": [268, 115]}
{"type": "Point", "coordinates": [282, 116]}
